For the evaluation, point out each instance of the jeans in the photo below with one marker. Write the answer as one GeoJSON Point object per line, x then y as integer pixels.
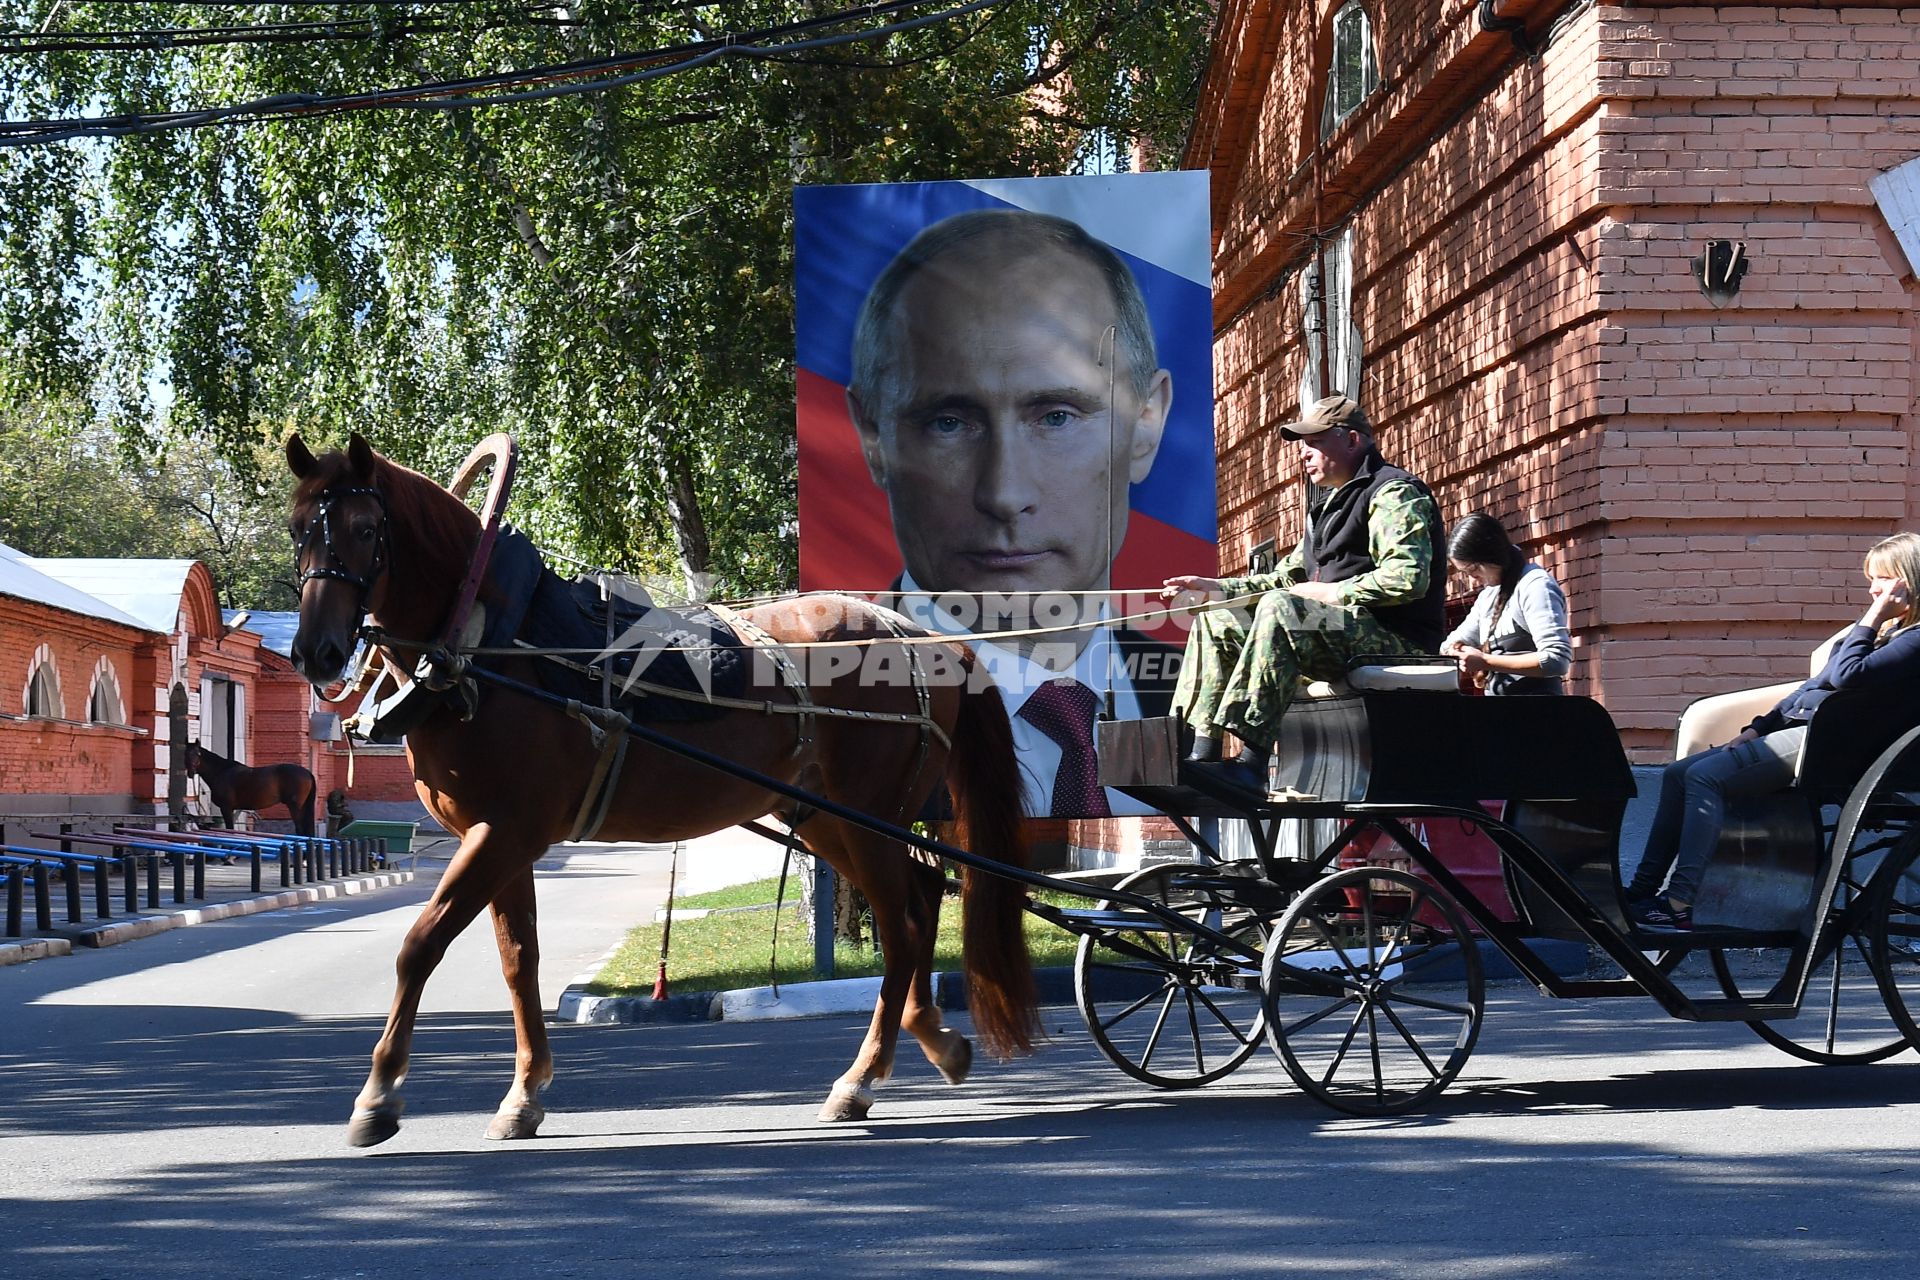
{"type": "Point", "coordinates": [1693, 802]}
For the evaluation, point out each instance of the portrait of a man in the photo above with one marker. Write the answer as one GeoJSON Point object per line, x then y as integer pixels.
{"type": "Point", "coordinates": [1007, 396]}
{"type": "Point", "coordinates": [1005, 391]}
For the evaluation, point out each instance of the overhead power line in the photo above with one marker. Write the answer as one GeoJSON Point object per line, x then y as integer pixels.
{"type": "Point", "coordinates": [316, 30]}
{"type": "Point", "coordinates": [591, 75]}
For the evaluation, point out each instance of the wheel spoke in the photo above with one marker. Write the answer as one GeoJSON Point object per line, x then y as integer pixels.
{"type": "Point", "coordinates": [1312, 1018]}
{"type": "Point", "coordinates": [1214, 1009]}
{"type": "Point", "coordinates": [1193, 1028]}
{"type": "Point", "coordinates": [1412, 1043]}
{"type": "Point", "coordinates": [1110, 1023]}
{"type": "Point", "coordinates": [1373, 1046]}
{"type": "Point", "coordinates": [1159, 1025]}
{"type": "Point", "coordinates": [1319, 927]}
{"type": "Point", "coordinates": [1426, 1002]}
{"type": "Point", "coordinates": [1346, 1043]}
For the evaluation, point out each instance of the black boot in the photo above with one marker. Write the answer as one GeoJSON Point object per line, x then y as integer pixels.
{"type": "Point", "coordinates": [1205, 750]}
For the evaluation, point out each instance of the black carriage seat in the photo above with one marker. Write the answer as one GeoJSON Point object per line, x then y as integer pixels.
{"type": "Point", "coordinates": [1773, 850]}
{"type": "Point", "coordinates": [1763, 873]}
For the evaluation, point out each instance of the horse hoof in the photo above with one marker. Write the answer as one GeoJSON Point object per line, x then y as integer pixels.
{"type": "Point", "coordinates": [520, 1122]}
{"type": "Point", "coordinates": [846, 1102]}
{"type": "Point", "coordinates": [371, 1128]}
{"type": "Point", "coordinates": [956, 1062]}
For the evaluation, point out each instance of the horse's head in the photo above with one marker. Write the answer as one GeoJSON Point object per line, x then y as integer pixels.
{"type": "Point", "coordinates": [339, 523]}
{"type": "Point", "coordinates": [191, 761]}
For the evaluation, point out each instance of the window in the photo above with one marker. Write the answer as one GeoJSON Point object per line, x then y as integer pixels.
{"type": "Point", "coordinates": [103, 704]}
{"type": "Point", "coordinates": [1354, 72]}
{"type": "Point", "coordinates": [43, 687]}
{"type": "Point", "coordinates": [1332, 338]}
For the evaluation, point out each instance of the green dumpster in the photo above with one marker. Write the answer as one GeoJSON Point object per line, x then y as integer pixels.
{"type": "Point", "coordinates": [398, 835]}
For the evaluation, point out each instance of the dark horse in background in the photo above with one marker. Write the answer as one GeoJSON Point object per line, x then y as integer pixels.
{"type": "Point", "coordinates": [378, 541]}
{"type": "Point", "coordinates": [237, 787]}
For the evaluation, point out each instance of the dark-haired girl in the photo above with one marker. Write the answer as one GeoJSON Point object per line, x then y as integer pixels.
{"type": "Point", "coordinates": [1514, 640]}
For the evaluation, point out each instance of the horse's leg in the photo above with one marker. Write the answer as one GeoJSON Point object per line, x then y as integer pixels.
{"type": "Point", "coordinates": [945, 1048]}
{"type": "Point", "coordinates": [516, 930]}
{"type": "Point", "coordinates": [880, 870]}
{"type": "Point", "coordinates": [487, 858]}
{"type": "Point", "coordinates": [300, 806]}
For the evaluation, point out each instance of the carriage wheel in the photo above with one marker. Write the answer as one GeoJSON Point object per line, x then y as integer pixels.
{"type": "Point", "coordinates": [1373, 991]}
{"type": "Point", "coordinates": [1847, 1018]}
{"type": "Point", "coordinates": [1896, 935]}
{"type": "Point", "coordinates": [1167, 1008]}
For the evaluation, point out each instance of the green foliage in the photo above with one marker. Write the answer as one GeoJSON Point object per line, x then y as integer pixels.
{"type": "Point", "coordinates": [752, 894]}
{"type": "Point", "coordinates": [607, 276]}
{"type": "Point", "coordinates": [70, 487]}
{"type": "Point", "coordinates": [732, 949]}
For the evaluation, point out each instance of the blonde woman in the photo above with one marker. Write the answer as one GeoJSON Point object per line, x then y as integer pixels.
{"type": "Point", "coordinates": [1881, 652]}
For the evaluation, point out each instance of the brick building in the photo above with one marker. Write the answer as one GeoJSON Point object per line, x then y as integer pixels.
{"type": "Point", "coordinates": [1615, 275]}
{"type": "Point", "coordinates": [69, 731]}
{"type": "Point", "coordinates": [109, 667]}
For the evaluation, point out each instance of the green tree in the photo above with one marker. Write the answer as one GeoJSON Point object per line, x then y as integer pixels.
{"type": "Point", "coordinates": [607, 275]}
{"type": "Point", "coordinates": [69, 486]}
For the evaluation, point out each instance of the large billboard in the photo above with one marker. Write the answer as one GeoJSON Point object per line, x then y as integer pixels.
{"type": "Point", "coordinates": [1005, 406]}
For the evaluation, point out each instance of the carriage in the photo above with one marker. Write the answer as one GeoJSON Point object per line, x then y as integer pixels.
{"type": "Point", "coordinates": [1368, 980]}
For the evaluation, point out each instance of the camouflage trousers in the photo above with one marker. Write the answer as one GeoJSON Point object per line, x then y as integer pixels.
{"type": "Point", "coordinates": [1241, 674]}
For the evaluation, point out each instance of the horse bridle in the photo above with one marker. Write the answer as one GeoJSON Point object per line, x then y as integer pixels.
{"type": "Point", "coordinates": [334, 566]}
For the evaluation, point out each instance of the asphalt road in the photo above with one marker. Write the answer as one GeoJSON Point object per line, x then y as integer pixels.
{"type": "Point", "coordinates": [176, 1107]}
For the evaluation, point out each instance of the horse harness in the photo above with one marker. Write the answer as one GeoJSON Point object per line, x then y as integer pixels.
{"type": "Point", "coordinates": [441, 672]}
{"type": "Point", "coordinates": [334, 566]}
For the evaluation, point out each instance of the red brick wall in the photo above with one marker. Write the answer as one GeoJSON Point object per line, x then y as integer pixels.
{"type": "Point", "coordinates": [1703, 479]}
{"type": "Point", "coordinates": [92, 764]}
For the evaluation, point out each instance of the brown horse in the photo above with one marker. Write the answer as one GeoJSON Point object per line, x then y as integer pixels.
{"type": "Point", "coordinates": [237, 787]}
{"type": "Point", "coordinates": [379, 541]}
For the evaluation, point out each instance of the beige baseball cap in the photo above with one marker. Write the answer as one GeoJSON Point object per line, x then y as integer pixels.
{"type": "Point", "coordinates": [1334, 411]}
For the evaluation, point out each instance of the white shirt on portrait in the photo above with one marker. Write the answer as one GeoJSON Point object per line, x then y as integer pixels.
{"type": "Point", "coordinates": [1017, 676]}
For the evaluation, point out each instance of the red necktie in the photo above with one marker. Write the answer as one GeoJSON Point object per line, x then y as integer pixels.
{"type": "Point", "coordinates": [1063, 710]}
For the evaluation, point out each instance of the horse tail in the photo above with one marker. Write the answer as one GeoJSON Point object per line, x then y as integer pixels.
{"type": "Point", "coordinates": [985, 781]}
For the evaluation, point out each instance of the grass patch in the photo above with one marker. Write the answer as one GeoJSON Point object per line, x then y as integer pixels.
{"type": "Point", "coordinates": [720, 953]}
{"type": "Point", "coordinates": [752, 894]}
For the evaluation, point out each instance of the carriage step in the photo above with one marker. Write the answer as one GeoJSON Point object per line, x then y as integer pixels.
{"type": "Point", "coordinates": [1739, 1011]}
{"type": "Point", "coordinates": [1099, 921]}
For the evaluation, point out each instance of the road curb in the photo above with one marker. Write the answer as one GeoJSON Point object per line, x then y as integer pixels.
{"type": "Point", "coordinates": [833, 997]}
{"type": "Point", "coordinates": [840, 996]}
{"type": "Point", "coordinates": [33, 949]}
{"type": "Point", "coordinates": [114, 932]}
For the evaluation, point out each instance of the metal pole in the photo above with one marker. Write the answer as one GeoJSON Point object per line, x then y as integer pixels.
{"type": "Point", "coordinates": [42, 898]}
{"type": "Point", "coordinates": [822, 918]}
{"type": "Point", "coordinates": [666, 932]}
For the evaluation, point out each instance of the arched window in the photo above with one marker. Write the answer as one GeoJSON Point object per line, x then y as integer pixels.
{"type": "Point", "coordinates": [1355, 71]}
{"type": "Point", "coordinates": [103, 704]}
{"type": "Point", "coordinates": [42, 697]}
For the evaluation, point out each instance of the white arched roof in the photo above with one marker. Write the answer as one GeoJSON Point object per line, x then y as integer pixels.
{"type": "Point", "coordinates": [25, 578]}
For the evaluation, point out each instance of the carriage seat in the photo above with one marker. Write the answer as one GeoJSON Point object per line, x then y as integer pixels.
{"type": "Point", "coordinates": [1423, 674]}
{"type": "Point", "coordinates": [1720, 717]}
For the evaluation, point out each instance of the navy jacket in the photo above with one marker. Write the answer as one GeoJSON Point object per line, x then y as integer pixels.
{"type": "Point", "coordinates": [1892, 670]}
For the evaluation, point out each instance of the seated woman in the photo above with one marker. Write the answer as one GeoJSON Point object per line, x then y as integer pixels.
{"type": "Point", "coordinates": [1881, 652]}
{"type": "Point", "coordinates": [1514, 640]}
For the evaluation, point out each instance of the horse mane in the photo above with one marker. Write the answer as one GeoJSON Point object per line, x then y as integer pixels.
{"type": "Point", "coordinates": [219, 761]}
{"type": "Point", "coordinates": [445, 524]}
